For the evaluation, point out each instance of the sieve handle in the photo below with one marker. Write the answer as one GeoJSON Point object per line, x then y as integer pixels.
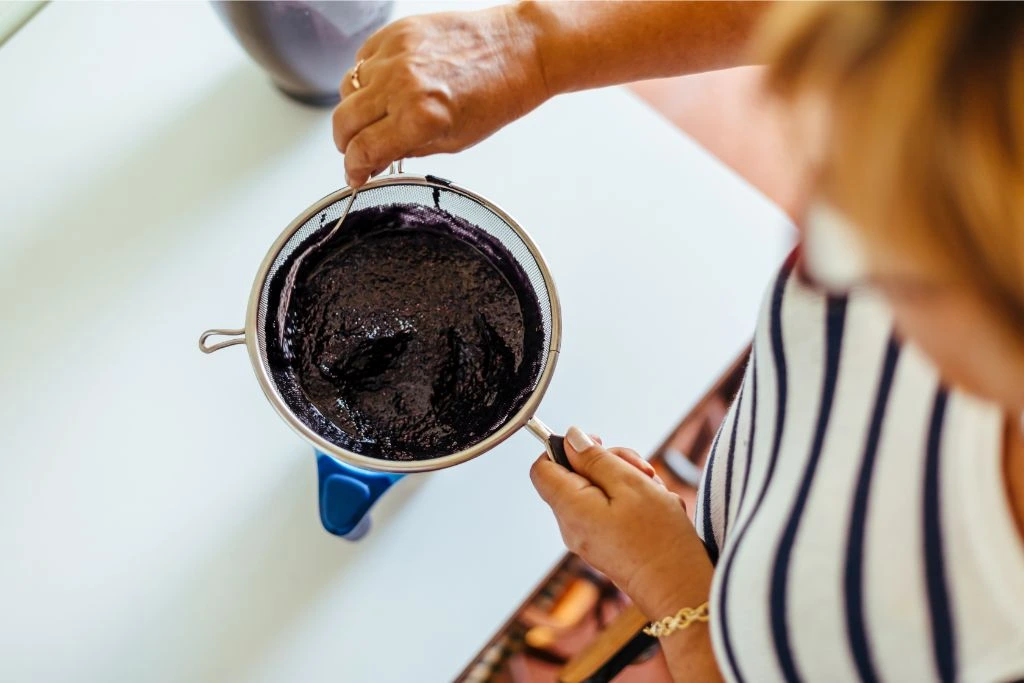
{"type": "Point", "coordinates": [236, 337]}
{"type": "Point", "coordinates": [553, 443]}
{"type": "Point", "coordinates": [556, 449]}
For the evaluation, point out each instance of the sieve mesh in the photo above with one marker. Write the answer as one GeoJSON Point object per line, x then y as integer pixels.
{"type": "Point", "coordinates": [398, 191]}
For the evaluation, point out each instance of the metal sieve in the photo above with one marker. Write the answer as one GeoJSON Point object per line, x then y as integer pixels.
{"type": "Point", "coordinates": [317, 224]}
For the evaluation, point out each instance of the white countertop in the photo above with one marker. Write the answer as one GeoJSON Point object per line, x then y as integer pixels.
{"type": "Point", "coordinates": [158, 522]}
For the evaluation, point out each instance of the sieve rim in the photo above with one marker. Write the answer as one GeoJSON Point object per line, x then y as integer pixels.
{"type": "Point", "coordinates": [512, 425]}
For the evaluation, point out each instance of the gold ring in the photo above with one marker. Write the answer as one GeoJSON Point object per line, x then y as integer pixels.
{"type": "Point", "coordinates": [356, 85]}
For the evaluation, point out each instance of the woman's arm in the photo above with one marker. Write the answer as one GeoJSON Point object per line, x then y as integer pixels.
{"type": "Point", "coordinates": [443, 82]}
{"type": "Point", "coordinates": [594, 44]}
{"type": "Point", "coordinates": [624, 523]}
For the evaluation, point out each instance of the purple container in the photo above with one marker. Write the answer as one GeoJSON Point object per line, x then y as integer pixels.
{"type": "Point", "coordinates": [306, 47]}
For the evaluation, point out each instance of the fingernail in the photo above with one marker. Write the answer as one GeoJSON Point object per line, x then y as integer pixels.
{"type": "Point", "coordinates": [578, 439]}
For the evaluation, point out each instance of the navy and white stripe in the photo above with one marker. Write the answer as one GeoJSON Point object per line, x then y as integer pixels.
{"type": "Point", "coordinates": [853, 578]}
{"type": "Point", "coordinates": [710, 542]}
{"type": "Point", "coordinates": [729, 463]}
{"type": "Point", "coordinates": [752, 374]}
{"type": "Point", "coordinates": [944, 644]}
{"type": "Point", "coordinates": [835, 320]}
{"type": "Point", "coordinates": [829, 505]}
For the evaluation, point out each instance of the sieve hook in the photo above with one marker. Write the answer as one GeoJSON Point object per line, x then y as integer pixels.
{"type": "Point", "coordinates": [237, 337]}
{"type": "Point", "coordinates": [394, 168]}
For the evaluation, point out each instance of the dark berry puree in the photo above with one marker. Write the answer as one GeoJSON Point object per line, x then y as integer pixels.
{"type": "Point", "coordinates": [410, 334]}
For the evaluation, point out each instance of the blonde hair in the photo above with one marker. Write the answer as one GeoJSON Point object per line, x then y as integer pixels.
{"type": "Point", "coordinates": [926, 144]}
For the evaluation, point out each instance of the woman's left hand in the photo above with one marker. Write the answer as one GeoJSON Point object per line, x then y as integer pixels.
{"type": "Point", "coordinates": [625, 524]}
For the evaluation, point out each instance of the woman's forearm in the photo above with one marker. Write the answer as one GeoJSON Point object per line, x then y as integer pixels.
{"type": "Point", "coordinates": [689, 655]}
{"type": "Point", "coordinates": [593, 44]}
{"type": "Point", "coordinates": [688, 651]}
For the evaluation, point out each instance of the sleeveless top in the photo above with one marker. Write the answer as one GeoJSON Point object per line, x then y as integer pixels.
{"type": "Point", "coordinates": [855, 509]}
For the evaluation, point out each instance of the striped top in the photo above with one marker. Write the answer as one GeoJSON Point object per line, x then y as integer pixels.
{"type": "Point", "coordinates": [855, 509]}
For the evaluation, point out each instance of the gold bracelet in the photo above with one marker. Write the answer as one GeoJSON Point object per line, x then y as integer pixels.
{"type": "Point", "coordinates": [681, 619]}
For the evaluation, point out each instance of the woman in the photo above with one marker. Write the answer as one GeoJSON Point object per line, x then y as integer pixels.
{"type": "Point", "coordinates": [862, 509]}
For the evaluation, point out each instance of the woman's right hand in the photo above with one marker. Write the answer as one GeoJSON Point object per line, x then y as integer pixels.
{"type": "Point", "coordinates": [437, 83]}
{"type": "Point", "coordinates": [621, 520]}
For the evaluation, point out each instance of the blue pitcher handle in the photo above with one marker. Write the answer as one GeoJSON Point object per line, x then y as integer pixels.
{"type": "Point", "coordinates": [346, 495]}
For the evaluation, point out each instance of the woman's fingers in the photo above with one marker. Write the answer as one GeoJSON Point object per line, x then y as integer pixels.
{"type": "Point", "coordinates": [394, 137]}
{"type": "Point", "coordinates": [368, 67]}
{"type": "Point", "coordinates": [634, 459]}
{"type": "Point", "coordinates": [597, 464]}
{"type": "Point", "coordinates": [356, 112]}
{"type": "Point", "coordinates": [557, 485]}
{"type": "Point", "coordinates": [375, 146]}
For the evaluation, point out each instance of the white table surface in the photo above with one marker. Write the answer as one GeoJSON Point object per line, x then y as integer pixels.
{"type": "Point", "coordinates": [158, 522]}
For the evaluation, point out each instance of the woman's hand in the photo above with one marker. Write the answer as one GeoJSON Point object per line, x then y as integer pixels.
{"type": "Point", "coordinates": [615, 515]}
{"type": "Point", "coordinates": [436, 83]}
